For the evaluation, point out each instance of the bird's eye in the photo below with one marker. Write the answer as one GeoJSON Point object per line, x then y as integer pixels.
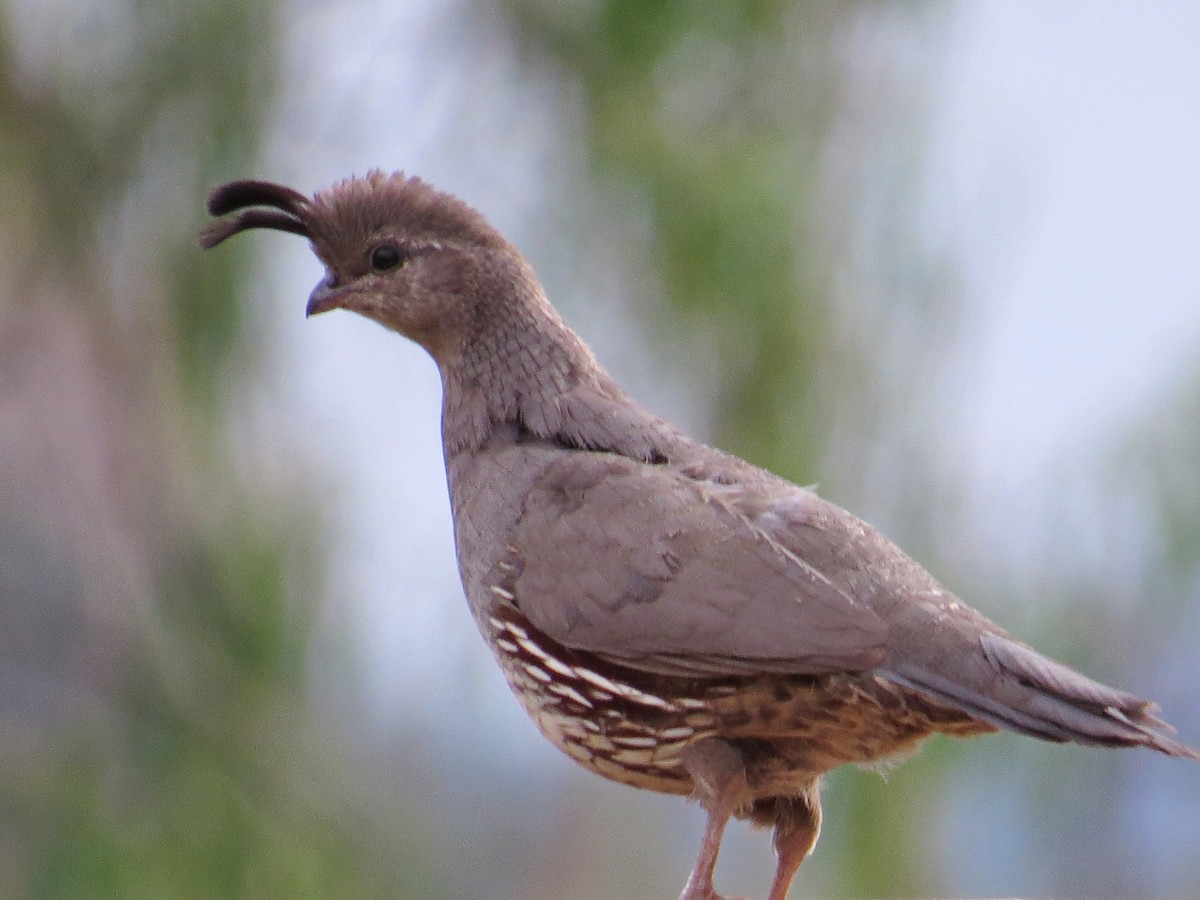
{"type": "Point", "coordinates": [386, 257]}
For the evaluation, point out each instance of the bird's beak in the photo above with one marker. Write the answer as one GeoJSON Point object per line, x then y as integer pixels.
{"type": "Point", "coordinates": [324, 298]}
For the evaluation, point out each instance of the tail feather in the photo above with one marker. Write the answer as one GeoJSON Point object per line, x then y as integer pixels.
{"type": "Point", "coordinates": [1035, 695]}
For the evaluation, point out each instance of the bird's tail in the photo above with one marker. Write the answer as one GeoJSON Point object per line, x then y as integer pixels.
{"type": "Point", "coordinates": [1033, 694]}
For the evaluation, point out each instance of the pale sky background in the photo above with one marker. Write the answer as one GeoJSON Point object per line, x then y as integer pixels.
{"type": "Point", "coordinates": [1068, 138]}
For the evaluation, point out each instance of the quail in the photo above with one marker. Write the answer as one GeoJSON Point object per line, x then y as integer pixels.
{"type": "Point", "coordinates": [672, 617]}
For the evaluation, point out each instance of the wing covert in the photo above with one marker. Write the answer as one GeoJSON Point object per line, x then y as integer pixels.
{"type": "Point", "coordinates": [659, 571]}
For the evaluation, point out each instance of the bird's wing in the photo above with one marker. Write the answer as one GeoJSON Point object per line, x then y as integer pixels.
{"type": "Point", "coordinates": [949, 652]}
{"type": "Point", "coordinates": [659, 571]}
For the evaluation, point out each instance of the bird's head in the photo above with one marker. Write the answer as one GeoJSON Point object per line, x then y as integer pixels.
{"type": "Point", "coordinates": [395, 250]}
{"type": "Point", "coordinates": [425, 264]}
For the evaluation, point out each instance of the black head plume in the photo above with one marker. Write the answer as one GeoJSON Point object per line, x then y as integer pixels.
{"type": "Point", "coordinates": [285, 210]}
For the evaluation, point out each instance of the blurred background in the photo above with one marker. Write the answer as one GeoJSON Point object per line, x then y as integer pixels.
{"type": "Point", "coordinates": [940, 258]}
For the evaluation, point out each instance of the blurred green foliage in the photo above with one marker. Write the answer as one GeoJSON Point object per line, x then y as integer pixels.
{"type": "Point", "coordinates": [184, 760]}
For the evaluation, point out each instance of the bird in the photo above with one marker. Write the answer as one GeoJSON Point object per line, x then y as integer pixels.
{"type": "Point", "coordinates": [672, 617]}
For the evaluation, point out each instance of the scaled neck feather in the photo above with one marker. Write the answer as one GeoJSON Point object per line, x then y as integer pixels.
{"type": "Point", "coordinates": [528, 369]}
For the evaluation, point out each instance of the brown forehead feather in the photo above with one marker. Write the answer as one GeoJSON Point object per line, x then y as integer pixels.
{"type": "Point", "coordinates": [358, 208]}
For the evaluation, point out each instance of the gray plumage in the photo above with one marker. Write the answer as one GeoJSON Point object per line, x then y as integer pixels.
{"type": "Point", "coordinates": [672, 616]}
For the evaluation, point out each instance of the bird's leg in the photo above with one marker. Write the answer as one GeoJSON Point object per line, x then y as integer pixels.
{"type": "Point", "coordinates": [797, 825]}
{"type": "Point", "coordinates": [719, 778]}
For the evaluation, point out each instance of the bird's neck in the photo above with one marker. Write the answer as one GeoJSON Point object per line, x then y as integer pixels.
{"type": "Point", "coordinates": [531, 371]}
